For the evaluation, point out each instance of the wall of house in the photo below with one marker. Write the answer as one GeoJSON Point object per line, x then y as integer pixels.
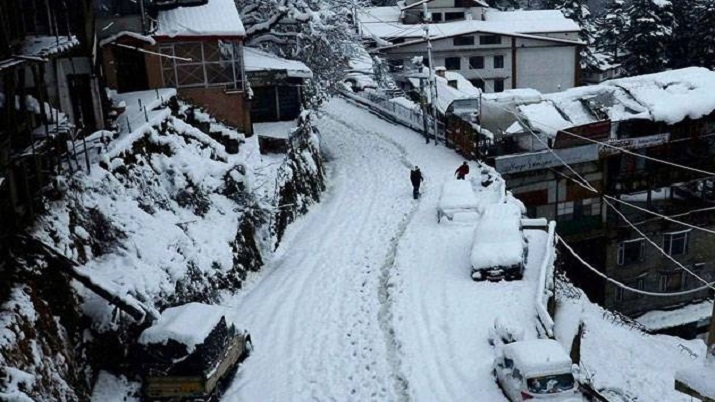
{"type": "Point", "coordinates": [229, 107]}
{"type": "Point", "coordinates": [653, 265]}
{"type": "Point", "coordinates": [546, 69]}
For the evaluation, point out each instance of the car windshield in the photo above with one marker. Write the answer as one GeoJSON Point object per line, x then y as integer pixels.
{"type": "Point", "coordinates": [551, 384]}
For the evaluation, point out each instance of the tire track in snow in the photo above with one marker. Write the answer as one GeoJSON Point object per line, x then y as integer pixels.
{"type": "Point", "coordinates": [385, 315]}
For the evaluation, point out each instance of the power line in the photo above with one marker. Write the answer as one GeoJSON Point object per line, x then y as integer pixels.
{"type": "Point", "coordinates": [626, 287]}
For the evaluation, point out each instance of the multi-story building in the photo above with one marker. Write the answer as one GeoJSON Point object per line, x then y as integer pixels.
{"type": "Point", "coordinates": [667, 116]}
{"type": "Point", "coordinates": [495, 50]}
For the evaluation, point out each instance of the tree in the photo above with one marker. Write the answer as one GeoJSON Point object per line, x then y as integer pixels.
{"type": "Point", "coordinates": [647, 36]}
{"type": "Point", "coordinates": [686, 43]}
{"type": "Point", "coordinates": [704, 45]}
{"type": "Point", "coordinates": [578, 11]}
{"type": "Point", "coordinates": [610, 28]}
{"type": "Point", "coordinates": [317, 32]}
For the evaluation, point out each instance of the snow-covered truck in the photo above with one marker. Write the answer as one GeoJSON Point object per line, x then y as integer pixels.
{"type": "Point", "coordinates": [499, 250]}
{"type": "Point", "coordinates": [190, 352]}
{"type": "Point", "coordinates": [457, 197]}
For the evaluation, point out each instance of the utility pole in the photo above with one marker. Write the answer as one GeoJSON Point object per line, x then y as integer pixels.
{"type": "Point", "coordinates": [432, 91]}
{"type": "Point", "coordinates": [711, 334]}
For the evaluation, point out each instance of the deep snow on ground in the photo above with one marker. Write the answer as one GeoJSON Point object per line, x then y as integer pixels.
{"type": "Point", "coordinates": [368, 298]}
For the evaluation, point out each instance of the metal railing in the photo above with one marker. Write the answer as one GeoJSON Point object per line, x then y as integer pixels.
{"type": "Point", "coordinates": [545, 286]}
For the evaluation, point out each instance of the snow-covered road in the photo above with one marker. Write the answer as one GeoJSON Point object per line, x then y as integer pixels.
{"type": "Point", "coordinates": [368, 298]}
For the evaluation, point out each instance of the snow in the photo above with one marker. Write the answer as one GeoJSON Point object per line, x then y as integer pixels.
{"type": "Point", "coordinates": [498, 239]}
{"type": "Point", "coordinates": [401, 100]}
{"type": "Point", "coordinates": [383, 22]}
{"type": "Point", "coordinates": [538, 357]}
{"type": "Point", "coordinates": [668, 97]}
{"type": "Point", "coordinates": [44, 46]}
{"type": "Point", "coordinates": [258, 60]}
{"type": "Point", "coordinates": [143, 38]}
{"type": "Point", "coordinates": [188, 324]}
{"type": "Point", "coordinates": [216, 18]}
{"type": "Point", "coordinates": [368, 298]}
{"type": "Point", "coordinates": [111, 388]}
{"type": "Point", "coordinates": [275, 129]}
{"type": "Point", "coordinates": [700, 379]}
{"type": "Point", "coordinates": [658, 320]}
{"type": "Point", "coordinates": [458, 194]}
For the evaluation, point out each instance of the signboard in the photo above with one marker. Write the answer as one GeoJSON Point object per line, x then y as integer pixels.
{"type": "Point", "coordinates": [633, 143]}
{"type": "Point", "coordinates": [266, 77]}
{"type": "Point", "coordinates": [545, 159]}
{"type": "Point", "coordinates": [598, 131]}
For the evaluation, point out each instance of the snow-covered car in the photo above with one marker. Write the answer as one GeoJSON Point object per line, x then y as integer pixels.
{"type": "Point", "coordinates": [499, 250]}
{"type": "Point", "coordinates": [536, 370]}
{"type": "Point", "coordinates": [457, 197]}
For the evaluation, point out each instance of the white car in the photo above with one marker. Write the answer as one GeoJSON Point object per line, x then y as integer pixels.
{"type": "Point", "coordinates": [536, 370]}
{"type": "Point", "coordinates": [457, 198]}
{"type": "Point", "coordinates": [499, 250]}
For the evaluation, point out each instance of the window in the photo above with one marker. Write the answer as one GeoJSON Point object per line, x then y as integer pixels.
{"type": "Point", "coordinates": [202, 64]}
{"type": "Point", "coordinates": [671, 282]}
{"type": "Point", "coordinates": [630, 251]}
{"type": "Point", "coordinates": [478, 83]}
{"type": "Point", "coordinates": [436, 17]}
{"type": "Point", "coordinates": [499, 87]}
{"type": "Point", "coordinates": [676, 243]}
{"type": "Point", "coordinates": [461, 3]}
{"type": "Point", "coordinates": [453, 16]}
{"type": "Point", "coordinates": [476, 62]}
{"type": "Point", "coordinates": [397, 40]}
{"type": "Point", "coordinates": [499, 61]}
{"type": "Point", "coordinates": [452, 83]}
{"type": "Point", "coordinates": [463, 40]}
{"type": "Point", "coordinates": [452, 63]}
{"type": "Point", "coordinates": [489, 39]}
{"type": "Point", "coordinates": [564, 210]}
{"type": "Point", "coordinates": [619, 294]}
{"type": "Point", "coordinates": [591, 207]}
{"type": "Point", "coordinates": [640, 285]}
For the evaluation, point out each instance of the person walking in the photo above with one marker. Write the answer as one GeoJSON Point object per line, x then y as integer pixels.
{"type": "Point", "coordinates": [462, 171]}
{"type": "Point", "coordinates": [416, 179]}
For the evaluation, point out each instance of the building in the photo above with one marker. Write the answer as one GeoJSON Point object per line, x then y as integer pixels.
{"type": "Point", "coordinates": [193, 46]}
{"type": "Point", "coordinates": [495, 50]}
{"type": "Point", "coordinates": [48, 96]}
{"type": "Point", "coordinates": [669, 116]}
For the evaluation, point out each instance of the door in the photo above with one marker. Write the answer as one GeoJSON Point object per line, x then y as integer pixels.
{"type": "Point", "coordinates": [131, 70]}
{"type": "Point", "coordinates": [80, 87]}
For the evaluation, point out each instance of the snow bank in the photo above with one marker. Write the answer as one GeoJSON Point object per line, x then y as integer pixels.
{"type": "Point", "coordinates": [657, 319]}
{"type": "Point", "coordinates": [258, 60]}
{"type": "Point", "coordinates": [458, 194]}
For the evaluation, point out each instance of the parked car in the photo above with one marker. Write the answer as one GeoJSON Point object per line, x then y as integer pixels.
{"type": "Point", "coordinates": [191, 353]}
{"type": "Point", "coordinates": [457, 197]}
{"type": "Point", "coordinates": [500, 249]}
{"type": "Point", "coordinates": [536, 370]}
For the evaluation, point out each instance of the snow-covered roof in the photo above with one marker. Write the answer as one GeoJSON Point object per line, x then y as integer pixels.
{"type": "Point", "coordinates": [384, 23]}
{"type": "Point", "coordinates": [658, 319]}
{"type": "Point", "coordinates": [446, 94]}
{"type": "Point", "coordinates": [215, 18]}
{"type": "Point", "coordinates": [130, 34]}
{"type": "Point", "coordinates": [188, 324]}
{"type": "Point", "coordinates": [668, 97]}
{"type": "Point", "coordinates": [699, 379]}
{"type": "Point", "coordinates": [498, 239]}
{"type": "Point", "coordinates": [539, 356]}
{"type": "Point", "coordinates": [258, 60]}
{"type": "Point", "coordinates": [37, 48]}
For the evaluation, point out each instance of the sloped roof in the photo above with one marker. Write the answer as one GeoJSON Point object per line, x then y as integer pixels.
{"type": "Point", "coordinates": [258, 60]}
{"type": "Point", "coordinates": [215, 18]}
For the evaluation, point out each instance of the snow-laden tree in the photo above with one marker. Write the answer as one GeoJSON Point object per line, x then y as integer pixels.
{"type": "Point", "coordinates": [578, 11]}
{"type": "Point", "coordinates": [610, 27]}
{"type": "Point", "coordinates": [317, 32]}
{"type": "Point", "coordinates": [646, 39]}
{"type": "Point", "coordinates": [703, 45]}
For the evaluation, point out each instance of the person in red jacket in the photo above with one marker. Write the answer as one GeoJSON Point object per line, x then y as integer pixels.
{"type": "Point", "coordinates": [462, 171]}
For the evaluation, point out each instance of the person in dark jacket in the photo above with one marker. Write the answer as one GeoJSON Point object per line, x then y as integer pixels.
{"type": "Point", "coordinates": [462, 171]}
{"type": "Point", "coordinates": [416, 179]}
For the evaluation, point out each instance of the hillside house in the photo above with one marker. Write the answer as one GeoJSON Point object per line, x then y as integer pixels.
{"type": "Point", "coordinates": [496, 51]}
{"type": "Point", "coordinates": [194, 46]}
